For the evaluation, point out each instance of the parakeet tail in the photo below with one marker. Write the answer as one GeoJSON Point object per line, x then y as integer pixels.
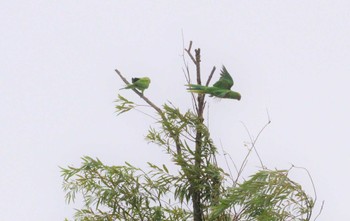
{"type": "Point", "coordinates": [200, 89]}
{"type": "Point", "coordinates": [130, 86]}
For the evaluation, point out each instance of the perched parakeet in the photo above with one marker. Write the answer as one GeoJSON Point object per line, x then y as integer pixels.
{"type": "Point", "coordinates": [139, 83]}
{"type": "Point", "coordinates": [220, 89]}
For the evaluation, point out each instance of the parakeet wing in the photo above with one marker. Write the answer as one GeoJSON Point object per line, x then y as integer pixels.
{"type": "Point", "coordinates": [225, 81]}
{"type": "Point", "coordinates": [133, 80]}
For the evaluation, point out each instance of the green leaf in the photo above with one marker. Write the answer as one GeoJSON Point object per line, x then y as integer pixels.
{"type": "Point", "coordinates": [123, 105]}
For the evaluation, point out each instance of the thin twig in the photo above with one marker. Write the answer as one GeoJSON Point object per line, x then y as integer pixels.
{"type": "Point", "coordinates": [229, 170]}
{"type": "Point", "coordinates": [189, 53]}
{"type": "Point", "coordinates": [312, 181]}
{"type": "Point", "coordinates": [188, 79]}
{"type": "Point", "coordinates": [313, 187]}
{"type": "Point", "coordinates": [187, 72]}
{"type": "Point", "coordinates": [250, 150]}
{"type": "Point", "coordinates": [253, 142]}
{"type": "Point", "coordinates": [321, 209]}
{"type": "Point", "coordinates": [210, 76]}
{"type": "Point", "coordinates": [190, 46]}
{"type": "Point", "coordinates": [146, 114]}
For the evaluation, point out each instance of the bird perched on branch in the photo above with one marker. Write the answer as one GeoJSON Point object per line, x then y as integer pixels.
{"type": "Point", "coordinates": [139, 84]}
{"type": "Point", "coordinates": [221, 88]}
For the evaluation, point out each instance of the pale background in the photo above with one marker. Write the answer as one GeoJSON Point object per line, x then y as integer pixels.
{"type": "Point", "coordinates": [57, 87]}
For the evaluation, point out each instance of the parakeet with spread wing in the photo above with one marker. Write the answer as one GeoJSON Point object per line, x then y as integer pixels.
{"type": "Point", "coordinates": [139, 84]}
{"type": "Point", "coordinates": [221, 88]}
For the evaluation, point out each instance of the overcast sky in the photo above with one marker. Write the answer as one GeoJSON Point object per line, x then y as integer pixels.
{"type": "Point", "coordinates": [57, 87]}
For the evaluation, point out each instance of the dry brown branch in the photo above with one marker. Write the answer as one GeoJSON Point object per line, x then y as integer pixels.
{"type": "Point", "coordinates": [190, 54]}
{"type": "Point", "coordinates": [210, 76]}
{"type": "Point", "coordinates": [190, 46]}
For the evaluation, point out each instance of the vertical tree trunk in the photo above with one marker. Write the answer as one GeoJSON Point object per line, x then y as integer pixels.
{"type": "Point", "coordinates": [196, 196]}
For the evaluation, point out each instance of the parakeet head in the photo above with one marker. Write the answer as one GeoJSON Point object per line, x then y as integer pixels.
{"type": "Point", "coordinates": [234, 95]}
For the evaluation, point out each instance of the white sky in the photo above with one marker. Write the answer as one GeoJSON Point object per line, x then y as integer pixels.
{"type": "Point", "coordinates": [57, 86]}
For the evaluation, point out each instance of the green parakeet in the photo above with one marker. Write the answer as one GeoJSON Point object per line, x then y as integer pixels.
{"type": "Point", "coordinates": [139, 83]}
{"type": "Point", "coordinates": [220, 89]}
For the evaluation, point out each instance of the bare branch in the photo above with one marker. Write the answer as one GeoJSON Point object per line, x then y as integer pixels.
{"type": "Point", "coordinates": [190, 54]}
{"type": "Point", "coordinates": [210, 76]}
{"type": "Point", "coordinates": [187, 72]}
{"type": "Point", "coordinates": [190, 46]}
{"type": "Point", "coordinates": [225, 153]}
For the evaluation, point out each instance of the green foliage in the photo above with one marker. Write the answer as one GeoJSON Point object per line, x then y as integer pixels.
{"type": "Point", "coordinates": [129, 193]}
{"type": "Point", "coordinates": [267, 196]}
{"type": "Point", "coordinates": [177, 136]}
{"type": "Point", "coordinates": [123, 105]}
{"type": "Point", "coordinates": [121, 192]}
